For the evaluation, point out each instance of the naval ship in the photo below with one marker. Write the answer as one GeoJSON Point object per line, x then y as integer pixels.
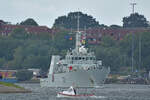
{"type": "Point", "coordinates": [79, 68]}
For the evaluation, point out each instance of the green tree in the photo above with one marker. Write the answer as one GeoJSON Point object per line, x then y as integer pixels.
{"type": "Point", "coordinates": [108, 41]}
{"type": "Point", "coordinates": [61, 40]}
{"type": "Point", "coordinates": [30, 22]}
{"type": "Point", "coordinates": [70, 21]}
{"type": "Point", "coordinates": [7, 45]}
{"type": "Point", "coordinates": [2, 62]}
{"type": "Point", "coordinates": [18, 56]}
{"type": "Point", "coordinates": [145, 50]}
{"type": "Point", "coordinates": [135, 20]}
{"type": "Point", "coordinates": [19, 33]}
{"type": "Point", "coordinates": [103, 26]}
{"type": "Point", "coordinates": [24, 75]}
{"type": "Point", "coordinates": [115, 26]}
{"type": "Point", "coordinates": [109, 53]}
{"type": "Point", "coordinates": [3, 22]}
{"type": "Point", "coordinates": [126, 49]}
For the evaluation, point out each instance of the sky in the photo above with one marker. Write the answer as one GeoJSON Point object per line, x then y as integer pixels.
{"type": "Point", "coordinates": [44, 12]}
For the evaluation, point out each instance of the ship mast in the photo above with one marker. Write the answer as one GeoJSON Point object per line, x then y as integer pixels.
{"type": "Point", "coordinates": [78, 22]}
{"type": "Point", "coordinates": [78, 34]}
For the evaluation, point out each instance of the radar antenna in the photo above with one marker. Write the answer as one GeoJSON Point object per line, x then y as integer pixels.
{"type": "Point", "coordinates": [133, 7]}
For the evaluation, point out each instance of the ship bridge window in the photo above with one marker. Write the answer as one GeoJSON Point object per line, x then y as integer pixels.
{"type": "Point", "coordinates": [91, 58]}
{"type": "Point", "coordinates": [87, 58]}
{"type": "Point", "coordinates": [64, 64]}
{"type": "Point", "coordinates": [76, 58]}
{"type": "Point", "coordinates": [94, 58]}
{"type": "Point", "coordinates": [83, 58]}
{"type": "Point", "coordinates": [72, 58]}
{"type": "Point", "coordinates": [79, 58]}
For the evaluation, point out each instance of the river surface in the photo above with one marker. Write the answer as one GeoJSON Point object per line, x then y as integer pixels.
{"type": "Point", "coordinates": [105, 92]}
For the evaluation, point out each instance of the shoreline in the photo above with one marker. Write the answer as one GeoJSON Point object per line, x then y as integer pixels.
{"type": "Point", "coordinates": [11, 88]}
{"type": "Point", "coordinates": [127, 81]}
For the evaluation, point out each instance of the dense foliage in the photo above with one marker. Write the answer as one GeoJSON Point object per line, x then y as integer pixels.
{"type": "Point", "coordinates": [29, 21]}
{"type": "Point", "coordinates": [3, 22]}
{"type": "Point", "coordinates": [70, 21]}
{"type": "Point", "coordinates": [24, 75]}
{"type": "Point", "coordinates": [115, 26]}
{"type": "Point", "coordinates": [21, 50]}
{"type": "Point", "coordinates": [118, 54]}
{"type": "Point", "coordinates": [135, 20]}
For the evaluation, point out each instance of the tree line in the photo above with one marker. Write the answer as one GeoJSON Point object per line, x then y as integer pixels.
{"type": "Point", "coordinates": [21, 50]}
{"type": "Point", "coordinates": [69, 21]}
{"type": "Point", "coordinates": [118, 54]}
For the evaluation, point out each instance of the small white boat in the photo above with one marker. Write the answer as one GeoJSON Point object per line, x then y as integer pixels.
{"type": "Point", "coordinates": [71, 92]}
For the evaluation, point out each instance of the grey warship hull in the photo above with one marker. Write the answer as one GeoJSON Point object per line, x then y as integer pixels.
{"type": "Point", "coordinates": [80, 78]}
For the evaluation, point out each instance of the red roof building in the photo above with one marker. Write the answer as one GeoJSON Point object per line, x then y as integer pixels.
{"type": "Point", "coordinates": [94, 35]}
{"type": "Point", "coordinates": [6, 29]}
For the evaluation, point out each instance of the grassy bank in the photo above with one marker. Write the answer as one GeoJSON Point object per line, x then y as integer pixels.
{"type": "Point", "coordinates": [10, 85]}
{"type": "Point", "coordinates": [12, 88]}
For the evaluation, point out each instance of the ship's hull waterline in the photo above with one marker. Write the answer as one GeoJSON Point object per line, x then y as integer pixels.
{"type": "Point", "coordinates": [80, 78]}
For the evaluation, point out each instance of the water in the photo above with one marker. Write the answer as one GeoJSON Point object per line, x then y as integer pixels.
{"type": "Point", "coordinates": [106, 92]}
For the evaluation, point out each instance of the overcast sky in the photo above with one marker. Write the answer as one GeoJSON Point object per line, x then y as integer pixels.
{"type": "Point", "coordinates": [44, 12]}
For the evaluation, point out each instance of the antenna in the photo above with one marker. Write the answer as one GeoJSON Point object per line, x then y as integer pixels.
{"type": "Point", "coordinates": [85, 28]}
{"type": "Point", "coordinates": [78, 22]}
{"type": "Point", "coordinates": [133, 6]}
{"type": "Point", "coordinates": [78, 34]}
{"type": "Point", "coordinates": [140, 49]}
{"type": "Point", "coordinates": [132, 53]}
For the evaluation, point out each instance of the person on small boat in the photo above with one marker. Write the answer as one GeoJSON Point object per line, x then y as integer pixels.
{"type": "Point", "coordinates": [73, 89]}
{"type": "Point", "coordinates": [70, 91]}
